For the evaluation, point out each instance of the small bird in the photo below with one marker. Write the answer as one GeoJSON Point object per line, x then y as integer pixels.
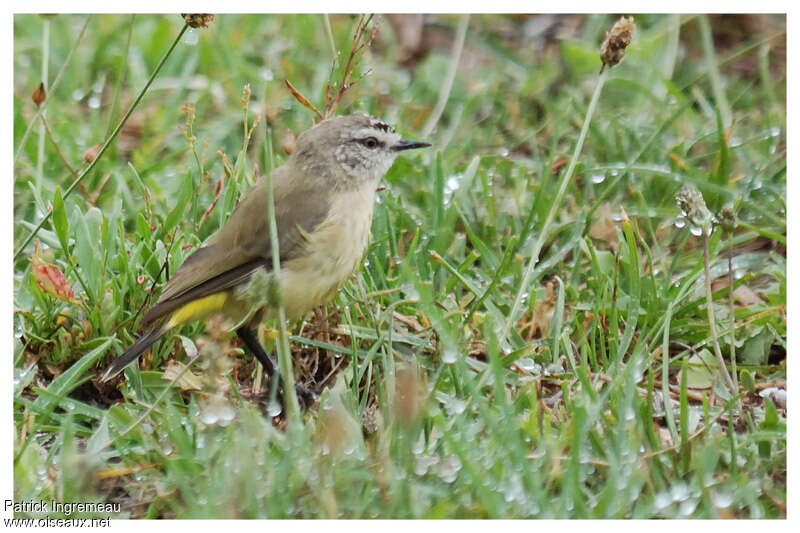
{"type": "Point", "coordinates": [324, 197]}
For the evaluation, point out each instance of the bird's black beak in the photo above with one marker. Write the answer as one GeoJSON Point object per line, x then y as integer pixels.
{"type": "Point", "coordinates": [406, 144]}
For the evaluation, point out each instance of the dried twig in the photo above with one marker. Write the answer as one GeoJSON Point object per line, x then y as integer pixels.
{"type": "Point", "coordinates": [362, 38]}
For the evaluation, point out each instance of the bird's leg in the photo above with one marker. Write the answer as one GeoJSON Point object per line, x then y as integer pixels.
{"type": "Point", "coordinates": [250, 340]}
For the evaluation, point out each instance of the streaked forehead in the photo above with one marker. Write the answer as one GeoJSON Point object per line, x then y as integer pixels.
{"type": "Point", "coordinates": [372, 131]}
{"type": "Point", "coordinates": [367, 122]}
{"type": "Point", "coordinates": [378, 124]}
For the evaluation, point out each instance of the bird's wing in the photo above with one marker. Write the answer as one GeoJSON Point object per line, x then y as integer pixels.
{"type": "Point", "coordinates": [243, 244]}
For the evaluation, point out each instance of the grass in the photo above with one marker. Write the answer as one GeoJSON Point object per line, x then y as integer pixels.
{"type": "Point", "coordinates": [602, 399]}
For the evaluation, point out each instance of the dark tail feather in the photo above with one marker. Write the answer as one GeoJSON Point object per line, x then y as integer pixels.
{"type": "Point", "coordinates": [132, 353]}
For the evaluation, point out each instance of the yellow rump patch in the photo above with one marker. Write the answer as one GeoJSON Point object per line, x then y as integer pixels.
{"type": "Point", "coordinates": [197, 309]}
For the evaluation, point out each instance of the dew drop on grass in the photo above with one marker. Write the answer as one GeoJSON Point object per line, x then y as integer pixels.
{"type": "Point", "coordinates": [419, 445]}
{"type": "Point", "coordinates": [537, 453]}
{"type": "Point", "coordinates": [455, 406]}
{"type": "Point", "coordinates": [616, 217]}
{"type": "Point", "coordinates": [191, 37]}
{"type": "Point", "coordinates": [514, 491]}
{"type": "Point", "coordinates": [349, 448]}
{"type": "Point", "coordinates": [274, 408]}
{"type": "Point", "coordinates": [208, 416]}
{"type": "Point", "coordinates": [78, 95]}
{"type": "Point", "coordinates": [527, 364]}
{"type": "Point", "coordinates": [662, 500]}
{"type": "Point", "coordinates": [94, 101]}
{"type": "Point", "coordinates": [555, 368]}
{"type": "Point", "coordinates": [449, 355]}
{"type": "Point", "coordinates": [448, 469]}
{"type": "Point", "coordinates": [679, 492]}
{"type": "Point", "coordinates": [687, 507]}
{"type": "Point", "coordinates": [696, 231]}
{"type": "Point", "coordinates": [722, 498]}
{"type": "Point", "coordinates": [226, 415]}
{"type": "Point", "coordinates": [266, 74]}
{"type": "Point", "coordinates": [166, 447]}
{"type": "Point", "coordinates": [598, 178]}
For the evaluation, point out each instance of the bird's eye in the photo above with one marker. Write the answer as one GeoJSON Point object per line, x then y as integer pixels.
{"type": "Point", "coordinates": [370, 142]}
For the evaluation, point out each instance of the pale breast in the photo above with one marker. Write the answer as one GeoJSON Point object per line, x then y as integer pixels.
{"type": "Point", "coordinates": [333, 252]}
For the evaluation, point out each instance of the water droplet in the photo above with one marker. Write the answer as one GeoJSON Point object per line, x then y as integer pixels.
{"type": "Point", "coordinates": [453, 183]}
{"type": "Point", "coordinates": [191, 37]}
{"type": "Point", "coordinates": [166, 447]}
{"type": "Point", "coordinates": [448, 469]}
{"type": "Point", "coordinates": [514, 490]}
{"type": "Point", "coordinates": [266, 74]}
{"type": "Point", "coordinates": [449, 355]}
{"type": "Point", "coordinates": [350, 447]}
{"type": "Point", "coordinates": [616, 217]}
{"type": "Point", "coordinates": [503, 151]}
{"type": "Point", "coordinates": [419, 446]}
{"type": "Point", "coordinates": [94, 101]}
{"type": "Point", "coordinates": [696, 231]}
{"type": "Point", "coordinates": [527, 364]}
{"type": "Point", "coordinates": [423, 463]}
{"type": "Point", "coordinates": [598, 178]}
{"type": "Point", "coordinates": [722, 498]}
{"type": "Point", "coordinates": [679, 492]}
{"type": "Point", "coordinates": [630, 414]}
{"type": "Point", "coordinates": [687, 507]}
{"type": "Point", "coordinates": [78, 95]}
{"type": "Point", "coordinates": [455, 406]}
{"type": "Point", "coordinates": [662, 500]}
{"type": "Point", "coordinates": [274, 408]}
{"type": "Point", "coordinates": [226, 414]}
{"type": "Point", "coordinates": [208, 416]}
{"type": "Point", "coordinates": [537, 453]}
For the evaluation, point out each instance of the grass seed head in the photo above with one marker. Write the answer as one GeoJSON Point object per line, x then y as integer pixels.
{"type": "Point", "coordinates": [727, 218]}
{"type": "Point", "coordinates": [693, 206]}
{"type": "Point", "coordinates": [198, 20]}
{"type": "Point", "coordinates": [617, 39]}
{"type": "Point", "coordinates": [39, 95]}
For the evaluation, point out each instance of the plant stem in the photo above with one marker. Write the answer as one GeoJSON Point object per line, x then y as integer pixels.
{"type": "Point", "coordinates": [107, 142]}
{"type": "Point", "coordinates": [50, 90]}
{"type": "Point", "coordinates": [707, 41]}
{"type": "Point", "coordinates": [447, 86]}
{"type": "Point", "coordinates": [45, 61]}
{"type": "Point", "coordinates": [712, 323]}
{"type": "Point", "coordinates": [329, 32]}
{"type": "Point", "coordinates": [284, 354]}
{"type": "Point", "coordinates": [562, 187]}
{"type": "Point", "coordinates": [732, 315]}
